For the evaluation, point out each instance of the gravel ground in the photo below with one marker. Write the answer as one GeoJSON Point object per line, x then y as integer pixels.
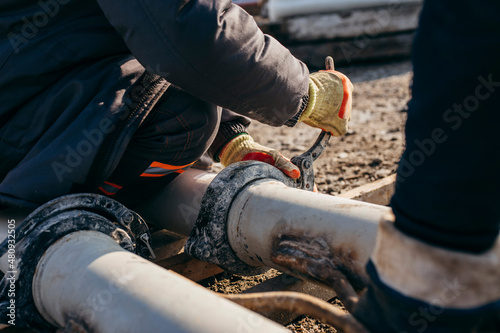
{"type": "Point", "coordinates": [370, 151]}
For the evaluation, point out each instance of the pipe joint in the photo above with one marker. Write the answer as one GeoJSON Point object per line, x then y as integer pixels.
{"type": "Point", "coordinates": [209, 240]}
{"type": "Point", "coordinates": [51, 222]}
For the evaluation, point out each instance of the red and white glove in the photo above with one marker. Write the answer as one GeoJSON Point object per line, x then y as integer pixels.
{"type": "Point", "coordinates": [330, 102]}
{"type": "Point", "coordinates": [243, 148]}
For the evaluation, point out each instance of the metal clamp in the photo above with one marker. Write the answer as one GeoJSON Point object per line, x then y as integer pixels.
{"type": "Point", "coordinates": [208, 240]}
{"type": "Point", "coordinates": [305, 161]}
{"type": "Point", "coordinates": [51, 222]}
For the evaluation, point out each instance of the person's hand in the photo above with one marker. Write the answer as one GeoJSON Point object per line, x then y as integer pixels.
{"type": "Point", "coordinates": [243, 148]}
{"type": "Point", "coordinates": [330, 102]}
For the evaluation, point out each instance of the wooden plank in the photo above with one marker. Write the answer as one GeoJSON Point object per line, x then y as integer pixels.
{"type": "Point", "coordinates": [378, 192]}
{"type": "Point", "coordinates": [167, 244]}
{"type": "Point", "coordinates": [169, 250]}
{"type": "Point", "coordinates": [361, 48]}
{"type": "Point", "coordinates": [352, 36]}
{"type": "Point", "coordinates": [189, 267]}
{"type": "Point", "coordinates": [369, 22]}
{"type": "Point", "coordinates": [285, 282]}
{"type": "Point", "coordinates": [343, 24]}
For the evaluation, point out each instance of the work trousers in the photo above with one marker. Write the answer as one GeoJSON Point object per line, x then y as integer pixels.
{"type": "Point", "coordinates": [448, 183]}
{"type": "Point", "coordinates": [176, 133]}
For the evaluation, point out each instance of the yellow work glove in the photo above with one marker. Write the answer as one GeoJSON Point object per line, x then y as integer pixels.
{"type": "Point", "coordinates": [243, 148]}
{"type": "Point", "coordinates": [330, 102]}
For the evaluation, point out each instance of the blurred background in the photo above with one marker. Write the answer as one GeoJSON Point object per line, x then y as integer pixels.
{"type": "Point", "coordinates": [352, 31]}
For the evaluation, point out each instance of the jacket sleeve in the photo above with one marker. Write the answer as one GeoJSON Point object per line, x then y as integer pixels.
{"type": "Point", "coordinates": [231, 125]}
{"type": "Point", "coordinates": [215, 51]}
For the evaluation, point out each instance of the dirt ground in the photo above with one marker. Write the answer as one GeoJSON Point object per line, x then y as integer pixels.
{"type": "Point", "coordinates": [370, 151]}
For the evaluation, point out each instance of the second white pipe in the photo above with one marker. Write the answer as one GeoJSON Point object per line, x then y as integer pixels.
{"type": "Point", "coordinates": [266, 210]}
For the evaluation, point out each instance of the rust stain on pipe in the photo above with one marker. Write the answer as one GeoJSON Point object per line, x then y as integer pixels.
{"type": "Point", "coordinates": [76, 324]}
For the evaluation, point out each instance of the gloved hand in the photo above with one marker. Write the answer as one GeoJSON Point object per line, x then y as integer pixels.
{"type": "Point", "coordinates": [243, 148]}
{"type": "Point", "coordinates": [330, 102]}
{"type": "Point", "coordinates": [418, 287]}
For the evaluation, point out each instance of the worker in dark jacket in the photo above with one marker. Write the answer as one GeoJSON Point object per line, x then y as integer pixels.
{"type": "Point", "coordinates": [120, 97]}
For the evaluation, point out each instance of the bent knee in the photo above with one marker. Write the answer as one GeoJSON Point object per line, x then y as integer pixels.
{"type": "Point", "coordinates": [180, 128]}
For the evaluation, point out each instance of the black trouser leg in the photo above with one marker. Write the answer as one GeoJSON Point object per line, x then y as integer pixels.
{"type": "Point", "coordinates": [448, 187]}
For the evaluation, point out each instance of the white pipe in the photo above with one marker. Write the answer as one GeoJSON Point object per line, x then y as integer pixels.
{"type": "Point", "coordinates": [177, 206]}
{"type": "Point", "coordinates": [88, 278]}
{"type": "Point", "coordinates": [266, 210]}
{"type": "Point", "coordinates": [279, 9]}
